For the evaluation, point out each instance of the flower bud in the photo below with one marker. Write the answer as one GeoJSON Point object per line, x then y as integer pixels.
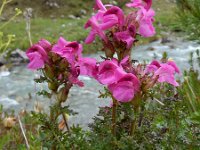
{"type": "Point", "coordinates": [63, 94]}
{"type": "Point", "coordinates": [49, 72]}
{"type": "Point", "coordinates": [54, 57]}
{"type": "Point", "coordinates": [109, 53]}
{"type": "Point", "coordinates": [9, 122]}
{"type": "Point", "coordinates": [63, 64]}
{"type": "Point", "coordinates": [52, 86]}
{"type": "Point", "coordinates": [109, 50]}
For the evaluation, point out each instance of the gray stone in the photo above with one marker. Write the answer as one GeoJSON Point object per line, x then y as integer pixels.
{"type": "Point", "coordinates": [4, 71]}
{"type": "Point", "coordinates": [18, 56]}
{"type": "Point", "coordinates": [165, 40]}
{"type": "Point", "coordinates": [83, 12]}
{"type": "Point", "coordinates": [71, 17]}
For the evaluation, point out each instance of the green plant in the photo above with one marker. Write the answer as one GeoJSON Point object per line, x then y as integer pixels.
{"type": "Point", "coordinates": [190, 90]}
{"type": "Point", "coordinates": [189, 16]}
{"type": "Point", "coordinates": [5, 41]}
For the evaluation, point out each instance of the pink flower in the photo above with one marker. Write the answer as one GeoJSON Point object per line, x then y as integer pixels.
{"type": "Point", "coordinates": [88, 67]}
{"type": "Point", "coordinates": [103, 20]}
{"type": "Point", "coordinates": [73, 77]}
{"type": "Point", "coordinates": [125, 88]}
{"type": "Point", "coordinates": [116, 13]}
{"type": "Point", "coordinates": [145, 19]}
{"type": "Point", "coordinates": [45, 44]}
{"type": "Point", "coordinates": [126, 36]}
{"type": "Point", "coordinates": [126, 64]}
{"type": "Point", "coordinates": [173, 64]}
{"type": "Point", "coordinates": [109, 72]}
{"type": "Point", "coordinates": [152, 67]}
{"type": "Point", "coordinates": [96, 29]}
{"type": "Point", "coordinates": [69, 50]}
{"type": "Point", "coordinates": [99, 5]}
{"type": "Point", "coordinates": [59, 46]}
{"type": "Point", "coordinates": [166, 74]}
{"type": "Point", "coordinates": [37, 56]}
{"type": "Point", "coordinates": [140, 4]}
{"type": "Point", "coordinates": [109, 21]}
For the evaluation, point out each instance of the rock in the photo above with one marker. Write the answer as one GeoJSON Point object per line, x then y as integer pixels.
{"type": "Point", "coordinates": [165, 40]}
{"type": "Point", "coordinates": [4, 71]}
{"type": "Point", "coordinates": [83, 12]}
{"type": "Point", "coordinates": [52, 4]}
{"type": "Point", "coordinates": [18, 56]}
{"type": "Point", "coordinates": [172, 46]}
{"type": "Point", "coordinates": [71, 17]}
{"type": "Point", "coordinates": [62, 16]}
{"type": "Point", "coordinates": [151, 48]}
{"type": "Point", "coordinates": [1, 63]}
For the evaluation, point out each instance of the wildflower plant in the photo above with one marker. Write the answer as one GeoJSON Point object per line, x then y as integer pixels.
{"type": "Point", "coordinates": [127, 82]}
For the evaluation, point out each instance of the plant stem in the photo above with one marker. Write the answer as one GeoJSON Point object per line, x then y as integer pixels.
{"type": "Point", "coordinates": [114, 111]}
{"type": "Point", "coordinates": [51, 115]}
{"type": "Point", "coordinates": [140, 118]}
{"type": "Point", "coordinates": [23, 133]}
{"type": "Point", "coordinates": [66, 124]}
{"type": "Point", "coordinates": [136, 104]}
{"type": "Point", "coordinates": [133, 126]}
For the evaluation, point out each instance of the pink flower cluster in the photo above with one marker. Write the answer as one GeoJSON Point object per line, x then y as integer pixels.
{"type": "Point", "coordinates": [123, 79]}
{"type": "Point", "coordinates": [121, 84]}
{"type": "Point", "coordinates": [123, 28]}
{"type": "Point", "coordinates": [39, 56]}
{"type": "Point", "coordinates": [164, 71]}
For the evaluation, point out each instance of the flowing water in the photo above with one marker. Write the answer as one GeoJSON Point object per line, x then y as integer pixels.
{"type": "Point", "coordinates": [18, 90]}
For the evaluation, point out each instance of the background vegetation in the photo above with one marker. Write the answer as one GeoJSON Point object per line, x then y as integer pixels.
{"type": "Point", "coordinates": [67, 18]}
{"type": "Point", "coordinates": [189, 17]}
